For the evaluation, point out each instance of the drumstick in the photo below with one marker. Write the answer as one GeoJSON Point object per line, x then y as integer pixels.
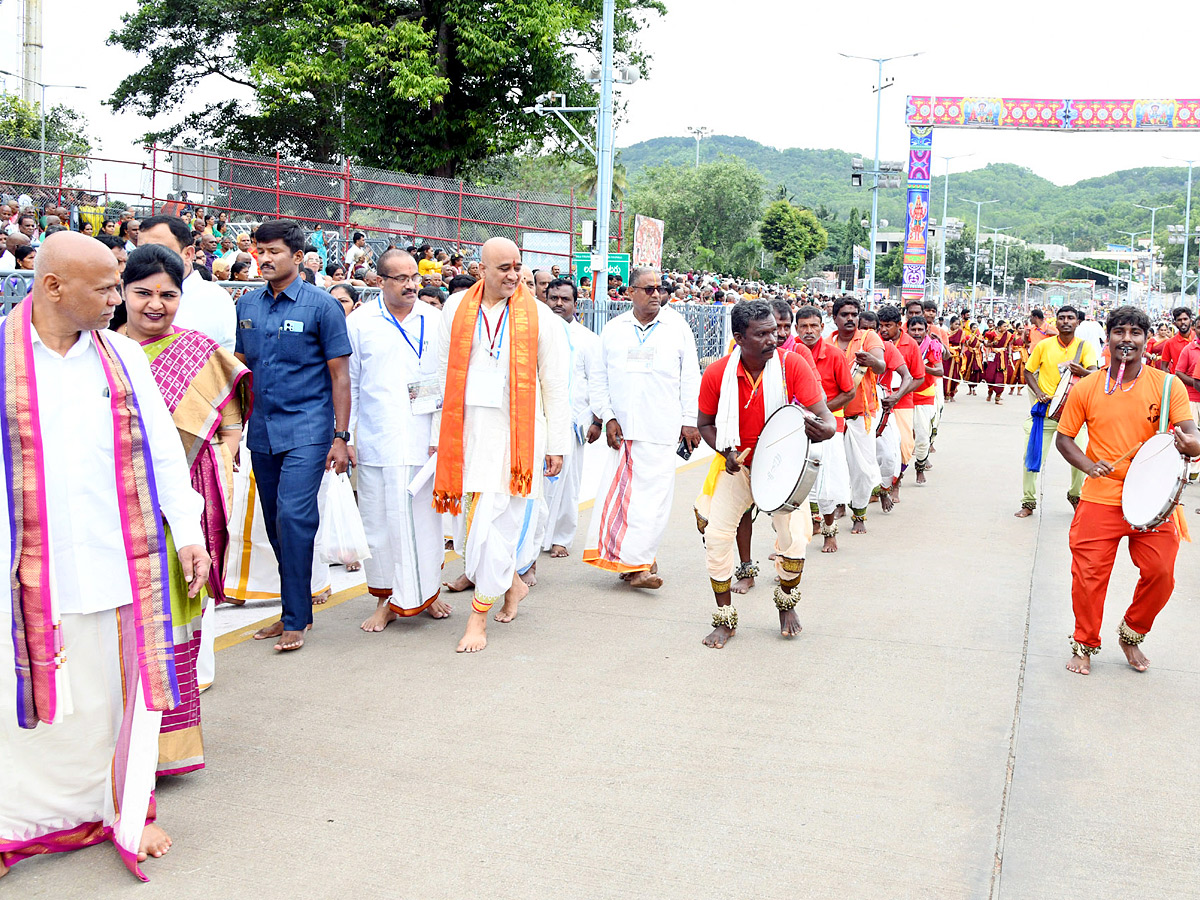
{"type": "Point", "coordinates": [1124, 456]}
{"type": "Point", "coordinates": [740, 459]}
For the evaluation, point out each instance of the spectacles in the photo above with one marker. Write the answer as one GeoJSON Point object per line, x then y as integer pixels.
{"type": "Point", "coordinates": [415, 278]}
{"type": "Point", "coordinates": [652, 289]}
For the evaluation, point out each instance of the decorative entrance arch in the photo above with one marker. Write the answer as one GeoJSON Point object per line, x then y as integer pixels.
{"type": "Point", "coordinates": [924, 113]}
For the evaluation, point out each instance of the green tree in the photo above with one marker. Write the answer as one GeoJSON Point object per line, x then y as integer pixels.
{"type": "Point", "coordinates": [21, 125]}
{"type": "Point", "coordinates": [714, 206]}
{"type": "Point", "coordinates": [419, 85]}
{"type": "Point", "coordinates": [794, 235]}
{"type": "Point", "coordinates": [890, 266]}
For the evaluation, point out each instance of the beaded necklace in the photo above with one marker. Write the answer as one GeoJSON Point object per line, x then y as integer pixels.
{"type": "Point", "coordinates": [1110, 387]}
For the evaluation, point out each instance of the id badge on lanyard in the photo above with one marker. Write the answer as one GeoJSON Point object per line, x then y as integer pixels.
{"type": "Point", "coordinates": [486, 379]}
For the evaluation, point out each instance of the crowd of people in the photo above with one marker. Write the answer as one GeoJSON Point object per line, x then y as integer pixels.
{"type": "Point", "coordinates": [464, 395]}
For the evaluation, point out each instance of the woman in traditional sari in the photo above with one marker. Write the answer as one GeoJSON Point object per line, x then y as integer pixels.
{"type": "Point", "coordinates": [207, 392]}
{"type": "Point", "coordinates": [998, 364]}
{"type": "Point", "coordinates": [1019, 353]}
{"type": "Point", "coordinates": [954, 372]}
{"type": "Point", "coordinates": [972, 356]}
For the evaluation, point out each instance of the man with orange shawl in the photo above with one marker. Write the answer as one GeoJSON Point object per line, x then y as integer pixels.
{"type": "Point", "coordinates": [504, 422]}
{"type": "Point", "coordinates": [92, 466]}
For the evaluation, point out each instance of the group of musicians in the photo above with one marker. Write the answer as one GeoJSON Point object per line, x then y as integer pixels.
{"type": "Point", "coordinates": [851, 386]}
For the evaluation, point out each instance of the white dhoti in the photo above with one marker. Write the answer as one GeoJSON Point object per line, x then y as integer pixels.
{"type": "Point", "coordinates": [405, 536]}
{"type": "Point", "coordinates": [859, 442]}
{"type": "Point", "coordinates": [63, 785]}
{"type": "Point", "coordinates": [833, 478]}
{"type": "Point", "coordinates": [562, 502]}
{"type": "Point", "coordinates": [633, 504]}
{"type": "Point", "coordinates": [1194, 465]}
{"type": "Point", "coordinates": [492, 525]}
{"type": "Point", "coordinates": [730, 500]}
{"type": "Point", "coordinates": [887, 452]}
{"type": "Point", "coordinates": [923, 419]}
{"type": "Point", "coordinates": [533, 529]}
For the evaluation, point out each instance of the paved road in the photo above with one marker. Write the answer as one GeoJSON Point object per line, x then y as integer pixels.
{"type": "Point", "coordinates": [921, 739]}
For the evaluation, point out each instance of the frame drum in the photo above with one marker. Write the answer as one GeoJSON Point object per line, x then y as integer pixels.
{"type": "Point", "coordinates": [1153, 483]}
{"type": "Point", "coordinates": [785, 464]}
{"type": "Point", "coordinates": [1059, 401]}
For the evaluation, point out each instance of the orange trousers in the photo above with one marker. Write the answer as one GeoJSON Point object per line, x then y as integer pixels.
{"type": "Point", "coordinates": [1096, 531]}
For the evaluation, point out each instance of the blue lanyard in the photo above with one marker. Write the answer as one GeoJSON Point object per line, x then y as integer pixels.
{"type": "Point", "coordinates": [496, 344]}
{"type": "Point", "coordinates": [643, 335]}
{"type": "Point", "coordinates": [387, 314]}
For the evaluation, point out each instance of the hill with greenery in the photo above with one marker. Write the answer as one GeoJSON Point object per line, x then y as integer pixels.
{"type": "Point", "coordinates": [1085, 215]}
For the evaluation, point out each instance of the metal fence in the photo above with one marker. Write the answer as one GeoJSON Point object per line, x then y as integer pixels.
{"type": "Point", "coordinates": [334, 198]}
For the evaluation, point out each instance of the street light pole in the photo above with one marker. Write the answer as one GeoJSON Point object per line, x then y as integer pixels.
{"type": "Point", "coordinates": [945, 206]}
{"type": "Point", "coordinates": [1187, 223]}
{"type": "Point", "coordinates": [979, 204]}
{"type": "Point", "coordinates": [604, 154]}
{"type": "Point", "coordinates": [1150, 283]}
{"type": "Point", "coordinates": [699, 132]}
{"type": "Point", "coordinates": [995, 236]}
{"type": "Point", "coordinates": [1132, 235]}
{"type": "Point", "coordinates": [879, 86]}
{"type": "Point", "coordinates": [42, 110]}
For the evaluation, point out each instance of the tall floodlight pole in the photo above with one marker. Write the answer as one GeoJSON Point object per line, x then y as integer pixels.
{"type": "Point", "coordinates": [995, 238]}
{"type": "Point", "coordinates": [699, 132]}
{"type": "Point", "coordinates": [604, 153]}
{"type": "Point", "coordinates": [945, 207]}
{"type": "Point", "coordinates": [1150, 280]}
{"type": "Point", "coordinates": [1187, 223]}
{"type": "Point", "coordinates": [879, 86]}
{"type": "Point", "coordinates": [1132, 235]}
{"type": "Point", "coordinates": [979, 204]}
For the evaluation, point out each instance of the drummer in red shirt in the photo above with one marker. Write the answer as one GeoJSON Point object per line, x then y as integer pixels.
{"type": "Point", "coordinates": [1175, 344]}
{"type": "Point", "coordinates": [734, 405]}
{"type": "Point", "coordinates": [1120, 406]}
{"type": "Point", "coordinates": [903, 400]}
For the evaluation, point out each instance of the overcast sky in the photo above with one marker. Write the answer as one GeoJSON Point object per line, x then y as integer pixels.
{"type": "Point", "coordinates": [769, 70]}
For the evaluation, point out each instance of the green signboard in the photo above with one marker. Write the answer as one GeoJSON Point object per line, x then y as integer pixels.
{"type": "Point", "coordinates": [618, 264]}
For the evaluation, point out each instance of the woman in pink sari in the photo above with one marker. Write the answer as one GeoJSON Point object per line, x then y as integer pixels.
{"type": "Point", "coordinates": [207, 392]}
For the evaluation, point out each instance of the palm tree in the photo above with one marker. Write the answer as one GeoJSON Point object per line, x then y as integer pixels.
{"type": "Point", "coordinates": [620, 182]}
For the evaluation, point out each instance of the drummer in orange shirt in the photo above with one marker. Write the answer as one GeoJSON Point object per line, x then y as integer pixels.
{"type": "Point", "coordinates": [1121, 407]}
{"type": "Point", "coordinates": [733, 408]}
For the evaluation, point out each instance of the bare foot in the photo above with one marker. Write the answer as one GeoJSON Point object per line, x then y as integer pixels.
{"type": "Point", "coordinates": [275, 629]}
{"type": "Point", "coordinates": [381, 618]}
{"type": "Point", "coordinates": [461, 583]}
{"type": "Point", "coordinates": [886, 501]}
{"type": "Point", "coordinates": [840, 512]}
{"type": "Point", "coordinates": [858, 528]}
{"type": "Point", "coordinates": [155, 842]}
{"type": "Point", "coordinates": [439, 609]}
{"type": "Point", "coordinates": [354, 567]}
{"type": "Point", "coordinates": [830, 545]}
{"type": "Point", "coordinates": [3, 870]}
{"type": "Point", "coordinates": [1137, 659]}
{"type": "Point", "coordinates": [921, 477]}
{"type": "Point", "coordinates": [232, 601]}
{"type": "Point", "coordinates": [1023, 513]}
{"type": "Point", "coordinates": [290, 640]}
{"type": "Point", "coordinates": [789, 624]}
{"type": "Point", "coordinates": [741, 585]}
{"type": "Point", "coordinates": [474, 638]}
{"type": "Point", "coordinates": [529, 576]}
{"type": "Point", "coordinates": [895, 492]}
{"type": "Point", "coordinates": [512, 599]}
{"type": "Point", "coordinates": [719, 636]}
{"type": "Point", "coordinates": [645, 580]}
{"type": "Point", "coordinates": [558, 551]}
{"type": "Point", "coordinates": [449, 545]}
{"type": "Point", "coordinates": [323, 597]}
{"type": "Point", "coordinates": [1080, 665]}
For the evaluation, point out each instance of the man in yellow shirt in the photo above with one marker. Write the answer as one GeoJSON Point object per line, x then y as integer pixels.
{"type": "Point", "coordinates": [1048, 362]}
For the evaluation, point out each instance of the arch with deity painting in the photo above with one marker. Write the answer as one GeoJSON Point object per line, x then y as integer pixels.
{"type": "Point", "coordinates": [925, 113]}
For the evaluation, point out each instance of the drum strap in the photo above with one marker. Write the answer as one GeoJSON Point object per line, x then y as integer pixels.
{"type": "Point", "coordinates": [1164, 406]}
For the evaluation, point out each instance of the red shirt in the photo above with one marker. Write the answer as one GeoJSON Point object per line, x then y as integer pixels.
{"type": "Point", "coordinates": [834, 372]}
{"type": "Point", "coordinates": [926, 392]}
{"type": "Point", "coordinates": [1172, 347]}
{"type": "Point", "coordinates": [893, 359]}
{"type": "Point", "coordinates": [865, 396]}
{"type": "Point", "coordinates": [1187, 364]}
{"type": "Point", "coordinates": [916, 366]}
{"type": "Point", "coordinates": [801, 386]}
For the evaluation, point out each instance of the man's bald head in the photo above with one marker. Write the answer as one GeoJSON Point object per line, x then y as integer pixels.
{"type": "Point", "coordinates": [75, 284]}
{"type": "Point", "coordinates": [501, 268]}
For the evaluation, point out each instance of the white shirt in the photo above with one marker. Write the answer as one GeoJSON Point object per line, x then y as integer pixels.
{"type": "Point", "coordinates": [7, 261]}
{"type": "Point", "coordinates": [353, 255]}
{"type": "Point", "coordinates": [486, 454]}
{"type": "Point", "coordinates": [584, 345]}
{"type": "Point", "coordinates": [90, 573]}
{"type": "Point", "coordinates": [650, 405]}
{"type": "Point", "coordinates": [207, 307]}
{"type": "Point", "coordinates": [1093, 332]}
{"type": "Point", "coordinates": [382, 365]}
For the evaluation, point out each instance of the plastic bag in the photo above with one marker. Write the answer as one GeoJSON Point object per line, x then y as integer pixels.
{"type": "Point", "coordinates": [341, 539]}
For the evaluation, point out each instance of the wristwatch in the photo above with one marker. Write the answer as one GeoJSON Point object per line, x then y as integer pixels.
{"type": "Point", "coordinates": [344, 435]}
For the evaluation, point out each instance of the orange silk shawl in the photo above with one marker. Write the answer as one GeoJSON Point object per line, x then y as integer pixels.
{"type": "Point", "coordinates": [522, 399]}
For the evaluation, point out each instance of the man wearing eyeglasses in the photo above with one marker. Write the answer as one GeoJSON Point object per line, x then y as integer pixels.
{"type": "Point", "coordinates": [647, 384]}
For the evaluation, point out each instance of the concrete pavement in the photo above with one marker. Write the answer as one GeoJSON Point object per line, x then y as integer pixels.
{"type": "Point", "coordinates": [597, 750]}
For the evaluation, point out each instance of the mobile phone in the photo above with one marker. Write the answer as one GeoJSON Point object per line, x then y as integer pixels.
{"type": "Point", "coordinates": [683, 451]}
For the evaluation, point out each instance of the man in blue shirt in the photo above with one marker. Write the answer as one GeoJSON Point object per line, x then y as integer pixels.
{"type": "Point", "coordinates": [293, 337]}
